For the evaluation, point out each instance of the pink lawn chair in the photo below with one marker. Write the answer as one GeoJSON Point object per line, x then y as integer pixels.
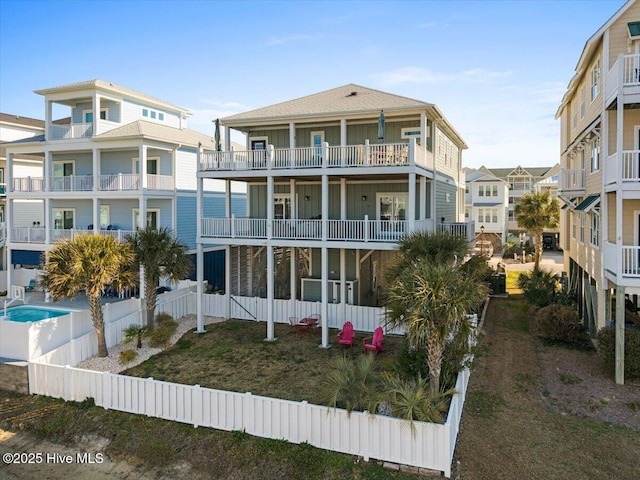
{"type": "Point", "coordinates": [375, 344]}
{"type": "Point", "coordinates": [345, 336]}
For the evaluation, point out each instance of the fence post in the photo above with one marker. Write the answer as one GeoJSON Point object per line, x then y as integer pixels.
{"type": "Point", "coordinates": [196, 405]}
{"type": "Point", "coordinates": [150, 397]}
{"type": "Point", "coordinates": [66, 380]}
{"type": "Point", "coordinates": [106, 390]}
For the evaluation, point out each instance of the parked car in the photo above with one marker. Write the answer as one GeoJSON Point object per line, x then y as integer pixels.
{"type": "Point", "coordinates": [483, 247]}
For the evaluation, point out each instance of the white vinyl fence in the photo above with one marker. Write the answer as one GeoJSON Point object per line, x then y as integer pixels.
{"type": "Point", "coordinates": [370, 436]}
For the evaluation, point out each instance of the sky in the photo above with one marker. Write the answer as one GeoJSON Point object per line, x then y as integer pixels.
{"type": "Point", "coordinates": [496, 69]}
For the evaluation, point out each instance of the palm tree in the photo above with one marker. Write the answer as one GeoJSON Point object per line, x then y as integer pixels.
{"type": "Point", "coordinates": [160, 254]}
{"type": "Point", "coordinates": [89, 263]}
{"type": "Point", "coordinates": [431, 300]}
{"type": "Point", "coordinates": [536, 211]}
{"type": "Point", "coordinates": [431, 289]}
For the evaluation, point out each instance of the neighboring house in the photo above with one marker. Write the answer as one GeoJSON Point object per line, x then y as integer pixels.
{"type": "Point", "coordinates": [524, 180]}
{"type": "Point", "coordinates": [122, 160]}
{"type": "Point", "coordinates": [600, 176]}
{"type": "Point", "coordinates": [334, 179]}
{"type": "Point", "coordinates": [14, 127]}
{"type": "Point", "coordinates": [487, 204]}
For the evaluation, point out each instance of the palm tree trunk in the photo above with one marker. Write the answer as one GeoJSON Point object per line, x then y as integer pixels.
{"type": "Point", "coordinates": [434, 360]}
{"type": "Point", "coordinates": [150, 307]}
{"type": "Point", "coordinates": [538, 235]}
{"type": "Point", "coordinates": [98, 323]}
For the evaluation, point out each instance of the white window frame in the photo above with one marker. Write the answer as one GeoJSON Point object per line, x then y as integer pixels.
{"type": "Point", "coordinates": [410, 132]}
{"type": "Point", "coordinates": [481, 190]}
{"type": "Point", "coordinates": [313, 134]}
{"type": "Point", "coordinates": [404, 195]}
{"type": "Point", "coordinates": [136, 212]}
{"type": "Point", "coordinates": [581, 227]}
{"type": "Point", "coordinates": [63, 209]}
{"type": "Point", "coordinates": [595, 154]}
{"type": "Point", "coordinates": [257, 139]}
{"type": "Point", "coordinates": [494, 190]}
{"type": "Point", "coordinates": [594, 229]}
{"type": "Point", "coordinates": [135, 167]}
{"type": "Point", "coordinates": [105, 110]}
{"type": "Point", "coordinates": [582, 101]}
{"type": "Point", "coordinates": [595, 80]}
{"type": "Point", "coordinates": [106, 208]}
{"type": "Point", "coordinates": [62, 162]}
{"type": "Point", "coordinates": [283, 197]}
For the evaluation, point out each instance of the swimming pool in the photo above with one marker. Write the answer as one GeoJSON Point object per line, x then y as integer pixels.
{"type": "Point", "coordinates": [28, 313]}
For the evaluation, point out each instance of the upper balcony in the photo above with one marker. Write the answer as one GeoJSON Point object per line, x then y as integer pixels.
{"type": "Point", "coordinates": [622, 171]}
{"type": "Point", "coordinates": [623, 77]}
{"type": "Point", "coordinates": [118, 182]}
{"type": "Point", "coordinates": [38, 235]}
{"type": "Point", "coordinates": [572, 182]}
{"type": "Point", "coordinates": [622, 265]}
{"type": "Point", "coordinates": [365, 156]}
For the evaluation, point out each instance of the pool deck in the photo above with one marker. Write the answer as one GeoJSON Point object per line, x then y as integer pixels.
{"type": "Point", "coordinates": [36, 298]}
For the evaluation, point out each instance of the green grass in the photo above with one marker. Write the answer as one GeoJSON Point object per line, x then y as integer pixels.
{"type": "Point", "coordinates": [234, 356]}
{"type": "Point", "coordinates": [512, 282]}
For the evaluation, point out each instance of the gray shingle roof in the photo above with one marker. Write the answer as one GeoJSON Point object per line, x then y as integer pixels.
{"type": "Point", "coordinates": [140, 128]}
{"type": "Point", "coordinates": [17, 119]}
{"type": "Point", "coordinates": [348, 99]}
{"type": "Point", "coordinates": [112, 87]}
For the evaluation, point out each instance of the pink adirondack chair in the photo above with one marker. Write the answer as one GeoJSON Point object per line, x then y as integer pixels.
{"type": "Point", "coordinates": [375, 341]}
{"type": "Point", "coordinates": [345, 336]}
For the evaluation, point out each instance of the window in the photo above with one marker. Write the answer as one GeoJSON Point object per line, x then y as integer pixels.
{"type": "Point", "coordinates": [282, 206]}
{"type": "Point", "coordinates": [161, 116]}
{"type": "Point", "coordinates": [494, 191]}
{"type": "Point", "coordinates": [145, 112]}
{"type": "Point", "coordinates": [582, 227]}
{"type": "Point", "coordinates": [153, 114]}
{"type": "Point", "coordinates": [595, 154]}
{"type": "Point", "coordinates": [104, 216]}
{"type": "Point", "coordinates": [152, 217]}
{"type": "Point", "coordinates": [392, 208]}
{"type": "Point", "coordinates": [512, 215]}
{"type": "Point", "coordinates": [595, 81]}
{"type": "Point", "coordinates": [481, 215]}
{"type": "Point", "coordinates": [574, 110]}
{"type": "Point", "coordinates": [481, 190]}
{"type": "Point", "coordinates": [87, 115]}
{"type": "Point", "coordinates": [594, 231]}
{"type": "Point", "coordinates": [63, 219]}
{"type": "Point", "coordinates": [152, 165]}
{"type": "Point", "coordinates": [466, 189]}
{"type": "Point", "coordinates": [582, 107]}
{"type": "Point", "coordinates": [467, 212]}
{"type": "Point", "coordinates": [573, 225]}
{"type": "Point", "coordinates": [494, 215]}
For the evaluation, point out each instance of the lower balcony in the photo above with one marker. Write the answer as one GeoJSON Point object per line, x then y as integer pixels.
{"type": "Point", "coordinates": [626, 273]}
{"type": "Point", "coordinates": [336, 230]}
{"type": "Point", "coordinates": [38, 234]}
{"type": "Point", "coordinates": [117, 182]}
{"type": "Point", "coordinates": [572, 182]}
{"type": "Point", "coordinates": [625, 166]}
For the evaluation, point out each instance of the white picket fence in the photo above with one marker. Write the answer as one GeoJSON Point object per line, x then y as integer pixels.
{"type": "Point", "coordinates": [370, 436]}
{"type": "Point", "coordinates": [364, 319]}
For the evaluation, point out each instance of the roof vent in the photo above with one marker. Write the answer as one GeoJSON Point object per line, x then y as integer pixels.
{"type": "Point", "coordinates": [352, 94]}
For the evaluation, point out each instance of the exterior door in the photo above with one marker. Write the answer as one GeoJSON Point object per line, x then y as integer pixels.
{"type": "Point", "coordinates": [317, 139]}
{"type": "Point", "coordinates": [392, 210]}
{"type": "Point", "coordinates": [62, 173]}
{"type": "Point", "coordinates": [282, 208]}
{"type": "Point", "coordinates": [63, 219]}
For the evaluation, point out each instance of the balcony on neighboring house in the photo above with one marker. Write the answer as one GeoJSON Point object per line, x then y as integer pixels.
{"type": "Point", "coordinates": [72, 131]}
{"type": "Point", "coordinates": [623, 167]}
{"type": "Point", "coordinates": [625, 75]}
{"type": "Point", "coordinates": [38, 234]}
{"type": "Point", "coordinates": [348, 156]}
{"type": "Point", "coordinates": [118, 182]}
{"type": "Point", "coordinates": [627, 272]}
{"type": "Point", "coordinates": [572, 182]}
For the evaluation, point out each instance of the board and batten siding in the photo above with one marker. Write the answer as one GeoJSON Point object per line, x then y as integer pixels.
{"type": "Point", "coordinates": [446, 202]}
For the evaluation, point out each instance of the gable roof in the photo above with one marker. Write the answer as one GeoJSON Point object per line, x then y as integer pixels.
{"type": "Point", "coordinates": [18, 120]}
{"type": "Point", "coordinates": [141, 128]}
{"type": "Point", "coordinates": [113, 88]}
{"type": "Point", "coordinates": [482, 175]}
{"type": "Point", "coordinates": [348, 99]}
{"type": "Point", "coordinates": [533, 171]}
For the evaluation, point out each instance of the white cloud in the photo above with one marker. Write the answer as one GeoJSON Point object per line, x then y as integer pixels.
{"type": "Point", "coordinates": [276, 41]}
{"type": "Point", "coordinates": [424, 75]}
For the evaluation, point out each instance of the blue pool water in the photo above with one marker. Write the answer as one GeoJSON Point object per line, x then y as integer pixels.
{"type": "Point", "coordinates": [27, 313]}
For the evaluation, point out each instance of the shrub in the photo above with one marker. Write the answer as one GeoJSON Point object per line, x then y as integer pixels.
{"type": "Point", "coordinates": [162, 333]}
{"type": "Point", "coordinates": [134, 331]}
{"type": "Point", "coordinates": [352, 384]}
{"type": "Point", "coordinates": [558, 322]}
{"type": "Point", "coordinates": [127, 355]}
{"type": "Point", "coordinates": [162, 318]}
{"type": "Point", "coordinates": [539, 287]}
{"type": "Point", "coordinates": [607, 350]}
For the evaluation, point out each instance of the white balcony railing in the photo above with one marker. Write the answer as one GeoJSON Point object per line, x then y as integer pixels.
{"type": "Point", "coordinates": [38, 234]}
{"type": "Point", "coordinates": [75, 130]}
{"type": "Point", "coordinates": [3, 232]}
{"type": "Point", "coordinates": [630, 256]}
{"type": "Point", "coordinates": [28, 184]}
{"type": "Point", "coordinates": [120, 235]}
{"type": "Point", "coordinates": [119, 182]}
{"type": "Point", "coordinates": [627, 164]}
{"type": "Point", "coordinates": [364, 230]}
{"type": "Point", "coordinates": [159, 182]}
{"type": "Point", "coordinates": [572, 180]}
{"type": "Point", "coordinates": [624, 73]}
{"type": "Point", "coordinates": [73, 183]}
{"type": "Point", "coordinates": [28, 234]}
{"type": "Point", "coordinates": [348, 156]}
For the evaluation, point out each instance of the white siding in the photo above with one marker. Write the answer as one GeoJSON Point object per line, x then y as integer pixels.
{"type": "Point", "coordinates": [11, 133]}
{"type": "Point", "coordinates": [25, 212]}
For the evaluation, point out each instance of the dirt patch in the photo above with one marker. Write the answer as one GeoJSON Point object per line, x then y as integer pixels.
{"type": "Point", "coordinates": [576, 384]}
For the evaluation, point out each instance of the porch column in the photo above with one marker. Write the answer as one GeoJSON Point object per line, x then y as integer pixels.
{"type": "Point", "coordinates": [48, 221]}
{"type": "Point", "coordinates": [142, 166]}
{"type": "Point", "coordinates": [411, 207]}
{"type": "Point", "coordinates": [142, 223]}
{"type": "Point", "coordinates": [199, 252]}
{"type": "Point", "coordinates": [343, 284]}
{"type": "Point", "coordinates": [270, 278]}
{"type": "Point", "coordinates": [325, 206]}
{"type": "Point", "coordinates": [96, 114]}
{"type": "Point", "coordinates": [620, 317]}
{"type": "Point", "coordinates": [227, 198]}
{"type": "Point", "coordinates": [343, 199]}
{"type": "Point", "coordinates": [96, 168]}
{"type": "Point", "coordinates": [292, 194]}
{"type": "Point", "coordinates": [343, 132]}
{"type": "Point", "coordinates": [270, 206]}
{"type": "Point", "coordinates": [96, 214]}
{"type": "Point", "coordinates": [324, 305]}
{"type": "Point", "coordinates": [46, 170]}
{"type": "Point", "coordinates": [227, 280]}
{"type": "Point", "coordinates": [423, 198]}
{"type": "Point", "coordinates": [292, 135]}
{"type": "Point", "coordinates": [293, 280]}
{"type": "Point", "coordinates": [48, 116]}
{"type": "Point", "coordinates": [227, 139]}
{"type": "Point", "coordinates": [423, 130]}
